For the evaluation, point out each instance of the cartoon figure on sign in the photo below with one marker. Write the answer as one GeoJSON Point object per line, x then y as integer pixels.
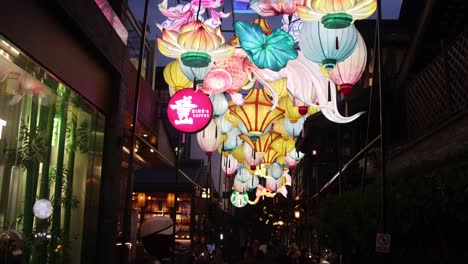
{"type": "Point", "coordinates": [183, 107]}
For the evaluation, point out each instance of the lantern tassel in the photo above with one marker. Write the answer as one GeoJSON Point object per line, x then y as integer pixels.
{"type": "Point", "coordinates": [195, 83]}
{"type": "Point", "coordinates": [336, 43]}
{"type": "Point", "coordinates": [329, 92]}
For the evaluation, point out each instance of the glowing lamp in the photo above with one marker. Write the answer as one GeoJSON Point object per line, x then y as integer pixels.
{"type": "Point", "coordinates": [349, 71]}
{"type": "Point", "coordinates": [224, 125]}
{"type": "Point", "coordinates": [270, 156]}
{"type": "Point", "coordinates": [276, 170]}
{"type": "Point", "coordinates": [243, 175]}
{"type": "Point", "coordinates": [238, 153]}
{"type": "Point", "coordinates": [229, 165]}
{"type": "Point", "coordinates": [283, 146]}
{"type": "Point", "coordinates": [193, 73]}
{"type": "Point", "coordinates": [336, 13]}
{"type": "Point", "coordinates": [42, 209]}
{"type": "Point", "coordinates": [239, 186]}
{"type": "Point", "coordinates": [327, 46]}
{"type": "Point", "coordinates": [274, 8]}
{"type": "Point", "coordinates": [233, 140]}
{"type": "Point", "coordinates": [209, 138]}
{"type": "Point", "coordinates": [294, 129]}
{"type": "Point", "coordinates": [238, 199]}
{"type": "Point", "coordinates": [220, 104]}
{"type": "Point", "coordinates": [256, 113]}
{"type": "Point", "coordinates": [196, 44]}
{"type": "Point", "coordinates": [174, 76]}
{"type": "Point", "coordinates": [297, 214]}
{"type": "Point", "coordinates": [253, 182]}
{"type": "Point", "coordinates": [251, 157]}
{"type": "Point", "coordinates": [261, 144]}
{"type": "Point", "coordinates": [279, 86]}
{"type": "Point", "coordinates": [170, 200]}
{"type": "Point", "coordinates": [291, 111]}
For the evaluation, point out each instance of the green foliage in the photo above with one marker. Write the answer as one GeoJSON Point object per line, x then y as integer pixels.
{"type": "Point", "coordinates": [82, 137]}
{"type": "Point", "coordinates": [32, 146]}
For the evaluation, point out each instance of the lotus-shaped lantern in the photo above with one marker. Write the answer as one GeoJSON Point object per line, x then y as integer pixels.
{"type": "Point", "coordinates": [336, 13]}
{"type": "Point", "coordinates": [196, 44]}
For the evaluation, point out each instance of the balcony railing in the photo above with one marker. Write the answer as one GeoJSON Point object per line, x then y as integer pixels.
{"type": "Point", "coordinates": [440, 91]}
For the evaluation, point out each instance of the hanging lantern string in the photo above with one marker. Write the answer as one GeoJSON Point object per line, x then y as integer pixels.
{"type": "Point", "coordinates": [199, 7]}
{"type": "Point", "coordinates": [195, 83]}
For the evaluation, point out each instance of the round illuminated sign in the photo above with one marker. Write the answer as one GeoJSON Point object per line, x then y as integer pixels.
{"type": "Point", "coordinates": [42, 208]}
{"type": "Point", "coordinates": [189, 111]}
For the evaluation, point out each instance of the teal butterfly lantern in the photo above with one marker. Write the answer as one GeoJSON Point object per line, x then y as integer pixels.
{"type": "Point", "coordinates": [271, 51]}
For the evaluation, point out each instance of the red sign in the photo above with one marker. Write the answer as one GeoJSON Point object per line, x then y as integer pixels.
{"type": "Point", "coordinates": [189, 111]}
{"type": "Point", "coordinates": [382, 243]}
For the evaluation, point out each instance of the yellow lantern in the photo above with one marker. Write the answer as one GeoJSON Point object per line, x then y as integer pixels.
{"type": "Point", "coordinates": [262, 144]}
{"type": "Point", "coordinates": [238, 153]}
{"type": "Point", "coordinates": [312, 110]}
{"type": "Point", "coordinates": [174, 76]}
{"type": "Point", "coordinates": [279, 127]}
{"type": "Point", "coordinates": [280, 87]}
{"type": "Point", "coordinates": [256, 113]}
{"type": "Point", "coordinates": [270, 156]}
{"type": "Point", "coordinates": [291, 111]}
{"type": "Point", "coordinates": [284, 145]}
{"type": "Point", "coordinates": [230, 117]}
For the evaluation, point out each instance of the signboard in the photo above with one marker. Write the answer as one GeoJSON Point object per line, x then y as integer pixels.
{"type": "Point", "coordinates": [189, 111]}
{"type": "Point", "coordinates": [382, 243]}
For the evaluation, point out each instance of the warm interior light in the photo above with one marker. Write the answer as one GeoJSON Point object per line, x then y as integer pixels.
{"type": "Point", "coordinates": [171, 200]}
{"type": "Point", "coordinates": [297, 214]}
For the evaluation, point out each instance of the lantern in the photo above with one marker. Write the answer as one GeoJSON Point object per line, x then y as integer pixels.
{"type": "Point", "coordinates": [272, 184]}
{"type": "Point", "coordinates": [196, 44]}
{"type": "Point", "coordinates": [233, 140]}
{"type": "Point", "coordinates": [276, 170]}
{"type": "Point", "coordinates": [238, 199]}
{"type": "Point", "coordinates": [256, 113]}
{"type": "Point", "coordinates": [239, 186]}
{"type": "Point", "coordinates": [230, 117]}
{"type": "Point", "coordinates": [226, 76]}
{"type": "Point", "coordinates": [220, 104]}
{"type": "Point", "coordinates": [272, 51]}
{"type": "Point", "coordinates": [262, 143]}
{"type": "Point", "coordinates": [349, 71]}
{"type": "Point", "coordinates": [283, 146]}
{"type": "Point", "coordinates": [223, 125]}
{"type": "Point", "coordinates": [291, 111]}
{"type": "Point", "coordinates": [42, 209]}
{"type": "Point", "coordinates": [294, 129]}
{"type": "Point", "coordinates": [244, 131]}
{"type": "Point", "coordinates": [252, 158]}
{"type": "Point", "coordinates": [270, 156]}
{"type": "Point", "coordinates": [278, 127]}
{"type": "Point", "coordinates": [174, 76]}
{"type": "Point", "coordinates": [280, 87]}
{"type": "Point", "coordinates": [195, 73]}
{"type": "Point", "coordinates": [229, 165]}
{"type": "Point", "coordinates": [253, 182]}
{"type": "Point", "coordinates": [296, 155]}
{"type": "Point", "coordinates": [291, 162]}
{"type": "Point", "coordinates": [243, 175]}
{"type": "Point", "coordinates": [238, 153]}
{"type": "Point", "coordinates": [327, 46]}
{"type": "Point", "coordinates": [209, 138]}
{"type": "Point", "coordinates": [336, 13]}
{"type": "Point", "coordinates": [274, 8]}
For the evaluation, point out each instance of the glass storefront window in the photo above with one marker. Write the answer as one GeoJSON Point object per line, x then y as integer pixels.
{"type": "Point", "coordinates": [51, 144]}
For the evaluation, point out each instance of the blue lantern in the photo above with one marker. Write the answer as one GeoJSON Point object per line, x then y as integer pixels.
{"type": "Point", "coordinates": [327, 46]}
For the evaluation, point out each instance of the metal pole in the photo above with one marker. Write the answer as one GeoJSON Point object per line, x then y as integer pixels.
{"type": "Point", "coordinates": [174, 210]}
{"type": "Point", "coordinates": [381, 109]}
{"type": "Point", "coordinates": [128, 203]}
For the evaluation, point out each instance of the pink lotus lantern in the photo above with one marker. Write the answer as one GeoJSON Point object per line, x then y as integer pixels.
{"type": "Point", "coordinates": [276, 7]}
{"type": "Point", "coordinates": [291, 162]}
{"type": "Point", "coordinates": [240, 186]}
{"type": "Point", "coordinates": [349, 71]}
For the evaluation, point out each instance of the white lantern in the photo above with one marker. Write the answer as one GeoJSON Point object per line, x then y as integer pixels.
{"type": "Point", "coordinates": [240, 186]}
{"type": "Point", "coordinates": [233, 140]}
{"type": "Point", "coordinates": [42, 209]}
{"type": "Point", "coordinates": [229, 165]}
{"type": "Point", "coordinates": [294, 129]}
{"type": "Point", "coordinates": [223, 124]}
{"type": "Point", "coordinates": [209, 138]}
{"type": "Point", "coordinates": [243, 175]}
{"type": "Point", "coordinates": [220, 104]}
{"type": "Point", "coordinates": [253, 182]}
{"type": "Point", "coordinates": [272, 184]}
{"type": "Point", "coordinates": [252, 158]}
{"type": "Point", "coordinates": [276, 170]}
